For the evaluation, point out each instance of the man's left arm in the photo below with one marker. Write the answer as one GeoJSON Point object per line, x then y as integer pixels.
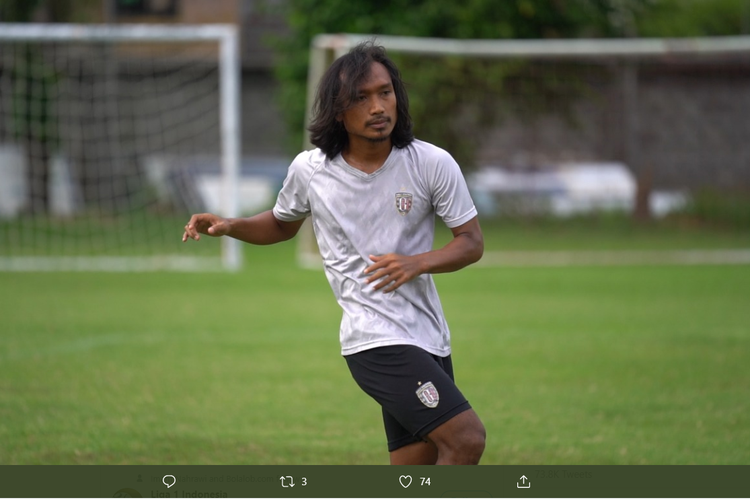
{"type": "Point", "coordinates": [392, 270]}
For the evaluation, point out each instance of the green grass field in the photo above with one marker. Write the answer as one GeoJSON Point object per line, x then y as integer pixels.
{"type": "Point", "coordinates": [565, 365]}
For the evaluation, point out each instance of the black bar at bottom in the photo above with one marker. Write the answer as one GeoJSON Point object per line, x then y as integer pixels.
{"type": "Point", "coordinates": [300, 481]}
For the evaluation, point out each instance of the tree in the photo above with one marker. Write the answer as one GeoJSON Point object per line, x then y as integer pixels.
{"type": "Point", "coordinates": [687, 18]}
{"type": "Point", "coordinates": [432, 89]}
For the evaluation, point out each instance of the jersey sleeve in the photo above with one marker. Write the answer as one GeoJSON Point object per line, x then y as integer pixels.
{"type": "Point", "coordinates": [293, 202]}
{"type": "Point", "coordinates": [450, 193]}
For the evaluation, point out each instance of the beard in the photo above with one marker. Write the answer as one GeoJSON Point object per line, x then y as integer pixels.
{"type": "Point", "coordinates": [378, 140]}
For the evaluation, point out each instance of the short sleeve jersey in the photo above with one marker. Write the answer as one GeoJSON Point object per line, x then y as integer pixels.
{"type": "Point", "coordinates": [355, 215]}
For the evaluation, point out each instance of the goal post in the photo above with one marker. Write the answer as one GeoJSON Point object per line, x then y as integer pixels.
{"type": "Point", "coordinates": [110, 136]}
{"type": "Point", "coordinates": [660, 108]}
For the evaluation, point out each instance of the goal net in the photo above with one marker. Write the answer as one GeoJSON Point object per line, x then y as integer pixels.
{"type": "Point", "coordinates": [110, 137]}
{"type": "Point", "coordinates": [562, 128]}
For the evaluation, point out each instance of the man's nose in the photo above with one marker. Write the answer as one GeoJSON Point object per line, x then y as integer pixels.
{"type": "Point", "coordinates": [376, 107]}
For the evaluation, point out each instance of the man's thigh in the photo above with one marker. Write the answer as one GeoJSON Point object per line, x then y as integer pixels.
{"type": "Point", "coordinates": [415, 389]}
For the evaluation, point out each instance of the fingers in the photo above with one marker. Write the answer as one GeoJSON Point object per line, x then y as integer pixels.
{"type": "Point", "coordinates": [378, 263]}
{"type": "Point", "coordinates": [387, 272]}
{"type": "Point", "coordinates": [393, 286]}
{"type": "Point", "coordinates": [200, 224]}
{"type": "Point", "coordinates": [377, 270]}
{"type": "Point", "coordinates": [191, 231]}
{"type": "Point", "coordinates": [384, 279]}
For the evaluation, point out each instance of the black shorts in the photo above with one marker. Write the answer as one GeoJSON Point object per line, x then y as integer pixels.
{"type": "Point", "coordinates": [415, 389]}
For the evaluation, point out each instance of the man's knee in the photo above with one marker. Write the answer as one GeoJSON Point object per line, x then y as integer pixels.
{"type": "Point", "coordinates": [472, 441]}
{"type": "Point", "coordinates": [461, 440]}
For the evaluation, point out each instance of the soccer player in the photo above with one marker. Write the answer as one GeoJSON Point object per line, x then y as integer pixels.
{"type": "Point", "coordinates": [372, 191]}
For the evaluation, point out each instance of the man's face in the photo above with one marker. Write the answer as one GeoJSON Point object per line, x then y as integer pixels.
{"type": "Point", "coordinates": [373, 114]}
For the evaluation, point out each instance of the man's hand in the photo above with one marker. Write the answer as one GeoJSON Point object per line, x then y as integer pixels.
{"type": "Point", "coordinates": [393, 270]}
{"type": "Point", "coordinates": [209, 224]}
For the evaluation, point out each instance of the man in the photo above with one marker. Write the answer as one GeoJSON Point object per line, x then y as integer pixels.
{"type": "Point", "coordinates": [372, 191]}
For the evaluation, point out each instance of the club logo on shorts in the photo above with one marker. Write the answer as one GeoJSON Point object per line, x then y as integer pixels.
{"type": "Point", "coordinates": [428, 395]}
{"type": "Point", "coordinates": [403, 202]}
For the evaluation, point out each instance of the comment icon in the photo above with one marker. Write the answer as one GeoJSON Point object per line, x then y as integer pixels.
{"type": "Point", "coordinates": [169, 480]}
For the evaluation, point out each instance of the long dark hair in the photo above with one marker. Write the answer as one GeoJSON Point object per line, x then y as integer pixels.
{"type": "Point", "coordinates": [337, 93]}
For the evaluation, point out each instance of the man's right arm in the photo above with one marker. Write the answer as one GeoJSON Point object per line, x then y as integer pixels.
{"type": "Point", "coordinates": [261, 229]}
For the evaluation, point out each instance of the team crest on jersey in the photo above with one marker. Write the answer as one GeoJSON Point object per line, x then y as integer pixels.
{"type": "Point", "coordinates": [428, 395]}
{"type": "Point", "coordinates": [403, 202]}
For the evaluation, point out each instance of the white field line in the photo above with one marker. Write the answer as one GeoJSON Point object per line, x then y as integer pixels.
{"type": "Point", "coordinates": [562, 258]}
{"type": "Point", "coordinates": [110, 264]}
{"type": "Point", "coordinates": [104, 340]}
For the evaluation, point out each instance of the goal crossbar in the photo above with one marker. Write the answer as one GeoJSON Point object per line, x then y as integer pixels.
{"type": "Point", "coordinates": [34, 32]}
{"type": "Point", "coordinates": [553, 49]}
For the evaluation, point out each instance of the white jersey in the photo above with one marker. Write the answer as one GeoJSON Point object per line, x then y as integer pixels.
{"type": "Point", "coordinates": [355, 215]}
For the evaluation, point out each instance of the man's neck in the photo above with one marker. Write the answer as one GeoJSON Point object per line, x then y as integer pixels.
{"type": "Point", "coordinates": [367, 156]}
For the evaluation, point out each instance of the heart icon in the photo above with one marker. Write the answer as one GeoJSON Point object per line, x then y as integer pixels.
{"type": "Point", "coordinates": [405, 481]}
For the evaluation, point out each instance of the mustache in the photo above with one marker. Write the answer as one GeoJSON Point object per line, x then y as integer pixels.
{"type": "Point", "coordinates": [381, 119]}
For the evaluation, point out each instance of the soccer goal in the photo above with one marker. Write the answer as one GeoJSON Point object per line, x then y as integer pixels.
{"type": "Point", "coordinates": [564, 127]}
{"type": "Point", "coordinates": [110, 137]}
